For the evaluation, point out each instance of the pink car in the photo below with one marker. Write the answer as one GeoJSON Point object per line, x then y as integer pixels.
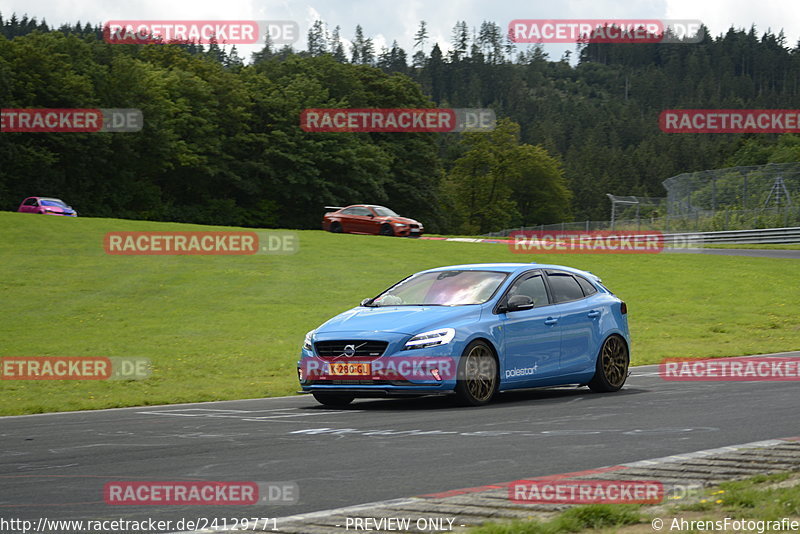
{"type": "Point", "coordinates": [45, 205]}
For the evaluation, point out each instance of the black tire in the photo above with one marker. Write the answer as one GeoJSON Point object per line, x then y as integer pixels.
{"type": "Point", "coordinates": [336, 228]}
{"type": "Point", "coordinates": [612, 366]}
{"type": "Point", "coordinates": [332, 399]}
{"type": "Point", "coordinates": [478, 375]}
{"type": "Point", "coordinates": [386, 229]}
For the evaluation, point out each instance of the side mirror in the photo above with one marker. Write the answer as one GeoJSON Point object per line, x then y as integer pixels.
{"type": "Point", "coordinates": [365, 302]}
{"type": "Point", "coordinates": [519, 302]}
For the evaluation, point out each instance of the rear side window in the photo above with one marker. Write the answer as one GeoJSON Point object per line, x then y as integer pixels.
{"type": "Point", "coordinates": [588, 288]}
{"type": "Point", "coordinates": [605, 287]}
{"type": "Point", "coordinates": [564, 287]}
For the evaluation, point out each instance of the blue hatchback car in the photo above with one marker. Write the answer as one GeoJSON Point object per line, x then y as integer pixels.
{"type": "Point", "coordinates": [472, 330]}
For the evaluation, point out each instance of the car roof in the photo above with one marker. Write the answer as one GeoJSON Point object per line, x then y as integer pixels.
{"type": "Point", "coordinates": [510, 268]}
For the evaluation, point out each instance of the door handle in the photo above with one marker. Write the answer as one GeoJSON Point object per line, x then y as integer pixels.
{"type": "Point", "coordinates": [550, 320]}
{"type": "Point", "coordinates": [594, 313]}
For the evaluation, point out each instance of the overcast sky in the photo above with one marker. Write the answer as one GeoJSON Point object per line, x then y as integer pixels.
{"type": "Point", "coordinates": [387, 20]}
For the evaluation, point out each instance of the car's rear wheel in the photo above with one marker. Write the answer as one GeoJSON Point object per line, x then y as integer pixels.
{"type": "Point", "coordinates": [336, 228]}
{"type": "Point", "coordinates": [612, 366]}
{"type": "Point", "coordinates": [478, 379]}
{"type": "Point", "coordinates": [386, 229]}
{"type": "Point", "coordinates": [332, 399]}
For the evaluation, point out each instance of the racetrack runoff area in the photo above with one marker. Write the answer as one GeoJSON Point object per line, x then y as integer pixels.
{"type": "Point", "coordinates": [157, 307]}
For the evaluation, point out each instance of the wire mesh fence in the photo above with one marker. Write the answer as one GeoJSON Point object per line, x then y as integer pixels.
{"type": "Point", "coordinates": [736, 198]}
{"type": "Point", "coordinates": [771, 186]}
{"type": "Point", "coordinates": [698, 221]}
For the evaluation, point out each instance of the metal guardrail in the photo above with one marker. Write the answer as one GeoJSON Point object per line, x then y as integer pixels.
{"type": "Point", "coordinates": [761, 236]}
{"type": "Point", "coordinates": [690, 239]}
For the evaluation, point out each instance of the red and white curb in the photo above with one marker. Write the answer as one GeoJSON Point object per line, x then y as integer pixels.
{"type": "Point", "coordinates": [473, 506]}
{"type": "Point", "coordinates": [471, 240]}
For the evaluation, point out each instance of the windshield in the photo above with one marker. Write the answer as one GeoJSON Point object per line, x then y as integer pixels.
{"type": "Point", "coordinates": [442, 288]}
{"type": "Point", "coordinates": [53, 202]}
{"type": "Point", "coordinates": [384, 212]}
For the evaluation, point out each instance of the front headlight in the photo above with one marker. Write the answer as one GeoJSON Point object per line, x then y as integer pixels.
{"type": "Point", "coordinates": [399, 224]}
{"type": "Point", "coordinates": [307, 341]}
{"type": "Point", "coordinates": [433, 338]}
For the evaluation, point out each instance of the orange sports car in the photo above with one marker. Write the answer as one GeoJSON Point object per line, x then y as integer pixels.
{"type": "Point", "coordinates": [369, 219]}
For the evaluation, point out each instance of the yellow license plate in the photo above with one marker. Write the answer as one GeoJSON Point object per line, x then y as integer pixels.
{"type": "Point", "coordinates": [350, 369]}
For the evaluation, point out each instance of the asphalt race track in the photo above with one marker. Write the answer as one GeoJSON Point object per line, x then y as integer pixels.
{"type": "Point", "coordinates": [55, 465]}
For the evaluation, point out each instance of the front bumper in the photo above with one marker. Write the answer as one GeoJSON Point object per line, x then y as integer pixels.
{"type": "Point", "coordinates": [378, 393]}
{"type": "Point", "coordinates": [396, 372]}
{"type": "Point", "coordinates": [62, 213]}
{"type": "Point", "coordinates": [408, 232]}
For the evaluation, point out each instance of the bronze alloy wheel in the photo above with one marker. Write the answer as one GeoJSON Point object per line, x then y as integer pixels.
{"type": "Point", "coordinates": [612, 365]}
{"type": "Point", "coordinates": [477, 381]}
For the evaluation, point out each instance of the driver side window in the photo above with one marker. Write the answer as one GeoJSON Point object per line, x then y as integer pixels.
{"type": "Point", "coordinates": [533, 287]}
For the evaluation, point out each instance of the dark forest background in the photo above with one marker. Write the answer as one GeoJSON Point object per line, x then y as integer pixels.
{"type": "Point", "coordinates": [222, 142]}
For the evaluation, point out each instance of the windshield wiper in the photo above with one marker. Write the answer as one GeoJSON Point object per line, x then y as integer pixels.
{"type": "Point", "coordinates": [390, 305]}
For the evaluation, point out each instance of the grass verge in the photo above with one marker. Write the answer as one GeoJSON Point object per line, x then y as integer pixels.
{"type": "Point", "coordinates": [228, 327]}
{"type": "Point", "coordinates": [577, 519]}
{"type": "Point", "coordinates": [763, 498]}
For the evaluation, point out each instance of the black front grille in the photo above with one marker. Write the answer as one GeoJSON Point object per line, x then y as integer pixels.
{"type": "Point", "coordinates": [345, 350]}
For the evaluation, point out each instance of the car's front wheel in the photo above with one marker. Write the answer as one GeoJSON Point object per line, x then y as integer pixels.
{"type": "Point", "coordinates": [478, 379]}
{"type": "Point", "coordinates": [612, 366]}
{"type": "Point", "coordinates": [332, 399]}
{"type": "Point", "coordinates": [386, 229]}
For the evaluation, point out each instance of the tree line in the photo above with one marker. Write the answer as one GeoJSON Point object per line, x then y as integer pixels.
{"type": "Point", "coordinates": [222, 142]}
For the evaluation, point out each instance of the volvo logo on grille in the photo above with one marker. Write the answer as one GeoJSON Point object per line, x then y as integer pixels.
{"type": "Point", "coordinates": [350, 350]}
